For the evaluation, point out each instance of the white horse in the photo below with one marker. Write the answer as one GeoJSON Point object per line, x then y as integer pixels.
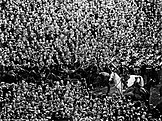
{"type": "Point", "coordinates": [118, 83]}
{"type": "Point", "coordinates": [134, 78]}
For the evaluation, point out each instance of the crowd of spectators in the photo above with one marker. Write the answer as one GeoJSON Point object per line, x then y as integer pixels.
{"type": "Point", "coordinates": [42, 33]}
{"type": "Point", "coordinates": [68, 102]}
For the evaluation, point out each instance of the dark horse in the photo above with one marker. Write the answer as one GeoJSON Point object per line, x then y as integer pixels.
{"type": "Point", "coordinates": [95, 80]}
{"type": "Point", "coordinates": [99, 79]}
{"type": "Point", "coordinates": [149, 72]}
{"type": "Point", "coordinates": [159, 105]}
{"type": "Point", "coordinates": [140, 93]}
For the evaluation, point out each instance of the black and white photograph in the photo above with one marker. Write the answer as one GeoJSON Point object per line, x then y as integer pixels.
{"type": "Point", "coordinates": [81, 60]}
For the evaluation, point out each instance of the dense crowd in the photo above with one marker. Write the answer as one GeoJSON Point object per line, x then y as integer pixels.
{"type": "Point", "coordinates": [47, 32]}
{"type": "Point", "coordinates": [68, 102]}
{"type": "Point", "coordinates": [59, 35]}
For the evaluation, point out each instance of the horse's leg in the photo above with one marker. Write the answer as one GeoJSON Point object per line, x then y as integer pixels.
{"type": "Point", "coordinates": [147, 104]}
{"type": "Point", "coordinates": [146, 99]}
{"type": "Point", "coordinates": [120, 92]}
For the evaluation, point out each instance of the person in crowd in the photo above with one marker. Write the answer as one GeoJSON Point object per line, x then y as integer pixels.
{"type": "Point", "coordinates": [42, 40]}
